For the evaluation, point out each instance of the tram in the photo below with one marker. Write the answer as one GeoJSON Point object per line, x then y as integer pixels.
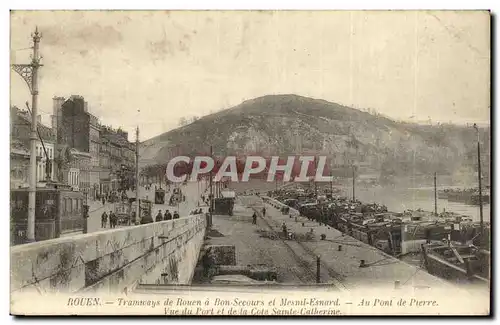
{"type": "Point", "coordinates": [59, 210]}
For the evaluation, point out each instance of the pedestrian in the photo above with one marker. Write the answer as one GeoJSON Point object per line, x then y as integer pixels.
{"type": "Point", "coordinates": [159, 217]}
{"type": "Point", "coordinates": [263, 212]}
{"type": "Point", "coordinates": [285, 230]}
{"type": "Point", "coordinates": [103, 200]}
{"type": "Point", "coordinates": [168, 215]}
{"type": "Point", "coordinates": [104, 219]}
{"type": "Point", "coordinates": [133, 219]}
{"type": "Point", "coordinates": [112, 219]}
{"type": "Point", "coordinates": [254, 218]}
{"type": "Point", "coordinates": [176, 215]}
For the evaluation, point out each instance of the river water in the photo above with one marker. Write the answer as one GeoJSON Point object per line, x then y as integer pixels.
{"type": "Point", "coordinates": [398, 199]}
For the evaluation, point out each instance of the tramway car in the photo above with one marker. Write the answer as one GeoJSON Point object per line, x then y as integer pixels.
{"type": "Point", "coordinates": [58, 211]}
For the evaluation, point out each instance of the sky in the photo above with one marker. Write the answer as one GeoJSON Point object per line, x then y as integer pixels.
{"type": "Point", "coordinates": [150, 68]}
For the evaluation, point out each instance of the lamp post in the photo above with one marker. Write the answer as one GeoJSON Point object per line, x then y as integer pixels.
{"type": "Point", "coordinates": [137, 208]}
{"type": "Point", "coordinates": [29, 72]}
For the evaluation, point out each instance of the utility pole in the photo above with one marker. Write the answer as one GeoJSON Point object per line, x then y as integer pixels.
{"type": "Point", "coordinates": [481, 221]}
{"type": "Point", "coordinates": [435, 195]}
{"type": "Point", "coordinates": [47, 159]}
{"type": "Point", "coordinates": [211, 188]}
{"type": "Point", "coordinates": [137, 207]}
{"type": "Point", "coordinates": [315, 184]}
{"type": "Point", "coordinates": [353, 184]}
{"type": "Point", "coordinates": [29, 72]}
{"type": "Point", "coordinates": [331, 176]}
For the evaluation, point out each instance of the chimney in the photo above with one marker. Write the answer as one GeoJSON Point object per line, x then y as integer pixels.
{"type": "Point", "coordinates": [57, 103]}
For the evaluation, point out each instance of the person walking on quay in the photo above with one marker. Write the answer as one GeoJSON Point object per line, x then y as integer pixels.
{"type": "Point", "coordinates": [168, 215]}
{"type": "Point", "coordinates": [285, 231]}
{"type": "Point", "coordinates": [112, 219]}
{"type": "Point", "coordinates": [254, 218]}
{"type": "Point", "coordinates": [176, 215]}
{"type": "Point", "coordinates": [104, 219]}
{"type": "Point", "coordinates": [159, 217]}
{"type": "Point", "coordinates": [263, 212]}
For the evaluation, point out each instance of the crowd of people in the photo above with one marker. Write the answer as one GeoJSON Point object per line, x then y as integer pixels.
{"type": "Point", "coordinates": [111, 197]}
{"type": "Point", "coordinates": [109, 219]}
{"type": "Point", "coordinates": [167, 216]}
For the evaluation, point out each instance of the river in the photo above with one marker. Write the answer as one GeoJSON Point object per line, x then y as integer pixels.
{"type": "Point", "coordinates": [398, 199]}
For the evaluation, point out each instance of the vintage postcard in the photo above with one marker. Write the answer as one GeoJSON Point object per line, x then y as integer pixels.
{"type": "Point", "coordinates": [277, 163]}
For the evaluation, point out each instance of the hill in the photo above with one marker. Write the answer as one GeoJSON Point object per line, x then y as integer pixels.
{"type": "Point", "coordinates": [290, 124]}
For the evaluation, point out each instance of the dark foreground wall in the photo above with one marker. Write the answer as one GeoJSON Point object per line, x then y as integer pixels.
{"type": "Point", "coordinates": [110, 261]}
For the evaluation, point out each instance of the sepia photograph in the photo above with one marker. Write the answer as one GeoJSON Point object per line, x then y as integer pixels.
{"type": "Point", "coordinates": [250, 163]}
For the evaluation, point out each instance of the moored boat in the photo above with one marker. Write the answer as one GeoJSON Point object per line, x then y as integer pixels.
{"type": "Point", "coordinates": [460, 263]}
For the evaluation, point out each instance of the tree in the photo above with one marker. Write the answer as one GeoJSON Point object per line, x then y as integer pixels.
{"type": "Point", "coordinates": [183, 121]}
{"type": "Point", "coordinates": [62, 159]}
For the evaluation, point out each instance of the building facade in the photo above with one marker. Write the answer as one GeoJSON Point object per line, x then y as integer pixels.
{"type": "Point", "coordinates": [45, 155]}
{"type": "Point", "coordinates": [116, 151]}
{"type": "Point", "coordinates": [99, 151]}
{"type": "Point", "coordinates": [74, 125]}
{"type": "Point", "coordinates": [19, 165]}
{"type": "Point", "coordinates": [80, 131]}
{"type": "Point", "coordinates": [105, 164]}
{"type": "Point", "coordinates": [20, 131]}
{"type": "Point", "coordinates": [77, 172]}
{"type": "Point", "coordinates": [94, 150]}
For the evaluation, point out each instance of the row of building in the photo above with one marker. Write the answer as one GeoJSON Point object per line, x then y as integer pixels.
{"type": "Point", "coordinates": [83, 153]}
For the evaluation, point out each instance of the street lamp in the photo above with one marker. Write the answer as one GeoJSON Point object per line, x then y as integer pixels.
{"type": "Point", "coordinates": [29, 72]}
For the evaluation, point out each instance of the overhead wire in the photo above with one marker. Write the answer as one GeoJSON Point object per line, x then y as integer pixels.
{"type": "Point", "coordinates": [456, 35]}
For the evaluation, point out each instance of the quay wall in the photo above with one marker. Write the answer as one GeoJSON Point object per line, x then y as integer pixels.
{"type": "Point", "coordinates": [278, 205]}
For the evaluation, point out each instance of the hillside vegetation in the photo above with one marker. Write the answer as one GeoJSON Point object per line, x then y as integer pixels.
{"type": "Point", "coordinates": [290, 124]}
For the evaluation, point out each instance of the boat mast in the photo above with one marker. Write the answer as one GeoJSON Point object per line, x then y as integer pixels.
{"type": "Point", "coordinates": [353, 184]}
{"type": "Point", "coordinates": [435, 195]}
{"type": "Point", "coordinates": [331, 178]}
{"type": "Point", "coordinates": [479, 181]}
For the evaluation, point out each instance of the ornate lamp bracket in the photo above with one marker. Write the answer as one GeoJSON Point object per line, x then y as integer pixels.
{"type": "Point", "coordinates": [26, 72]}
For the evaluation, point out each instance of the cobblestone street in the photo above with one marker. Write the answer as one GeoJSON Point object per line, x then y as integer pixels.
{"type": "Point", "coordinates": [252, 248]}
